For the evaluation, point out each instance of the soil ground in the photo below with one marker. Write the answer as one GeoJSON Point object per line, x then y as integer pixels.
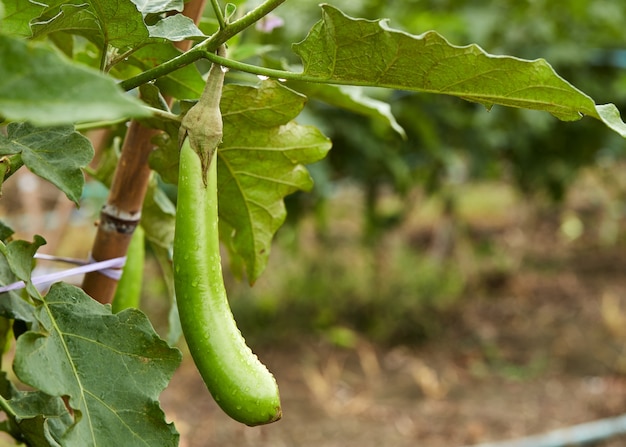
{"type": "Point", "coordinates": [537, 350]}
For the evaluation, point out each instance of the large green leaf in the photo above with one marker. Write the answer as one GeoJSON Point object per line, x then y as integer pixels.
{"type": "Point", "coordinates": [17, 16]}
{"type": "Point", "coordinates": [259, 167]}
{"type": "Point", "coordinates": [175, 28]}
{"type": "Point", "coordinates": [121, 23]}
{"type": "Point", "coordinates": [108, 368]}
{"type": "Point", "coordinates": [111, 367]}
{"type": "Point", "coordinates": [56, 154]}
{"type": "Point", "coordinates": [345, 50]}
{"type": "Point", "coordinates": [127, 30]}
{"type": "Point", "coordinates": [39, 85]}
{"type": "Point", "coordinates": [256, 168]}
{"type": "Point", "coordinates": [19, 258]}
{"type": "Point", "coordinates": [37, 418]}
{"type": "Point", "coordinates": [77, 19]}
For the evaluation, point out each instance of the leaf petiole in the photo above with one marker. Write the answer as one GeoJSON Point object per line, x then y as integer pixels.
{"type": "Point", "coordinates": [273, 73]}
{"type": "Point", "coordinates": [156, 113]}
{"type": "Point", "coordinates": [7, 408]}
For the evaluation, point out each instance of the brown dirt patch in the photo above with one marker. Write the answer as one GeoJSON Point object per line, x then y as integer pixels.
{"type": "Point", "coordinates": [543, 350]}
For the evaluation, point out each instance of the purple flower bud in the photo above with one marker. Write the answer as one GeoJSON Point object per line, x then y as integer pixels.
{"type": "Point", "coordinates": [268, 23]}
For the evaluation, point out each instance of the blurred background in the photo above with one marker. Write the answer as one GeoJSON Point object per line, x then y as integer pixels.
{"type": "Point", "coordinates": [459, 285]}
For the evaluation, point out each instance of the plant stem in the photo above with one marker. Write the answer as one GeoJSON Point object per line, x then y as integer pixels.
{"type": "Point", "coordinates": [218, 13]}
{"type": "Point", "coordinates": [82, 127]}
{"type": "Point", "coordinates": [282, 74]}
{"type": "Point", "coordinates": [165, 68]}
{"type": "Point", "coordinates": [168, 116]}
{"type": "Point", "coordinates": [199, 51]}
{"type": "Point", "coordinates": [260, 71]}
{"type": "Point", "coordinates": [157, 113]}
{"type": "Point", "coordinates": [104, 56]}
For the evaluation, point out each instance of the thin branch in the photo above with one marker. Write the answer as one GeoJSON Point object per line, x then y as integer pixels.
{"type": "Point", "coordinates": [277, 74]}
{"type": "Point", "coordinates": [168, 116]}
{"type": "Point", "coordinates": [124, 56]}
{"type": "Point", "coordinates": [261, 71]}
{"type": "Point", "coordinates": [104, 57]}
{"type": "Point", "coordinates": [209, 45]}
{"type": "Point", "coordinates": [167, 67]}
{"type": "Point", "coordinates": [218, 13]}
{"type": "Point", "coordinates": [83, 127]}
{"type": "Point", "coordinates": [157, 113]}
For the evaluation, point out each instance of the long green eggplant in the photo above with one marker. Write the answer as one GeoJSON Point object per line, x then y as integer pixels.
{"type": "Point", "coordinates": [241, 385]}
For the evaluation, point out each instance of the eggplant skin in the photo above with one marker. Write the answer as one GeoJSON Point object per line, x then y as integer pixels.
{"type": "Point", "coordinates": [240, 384]}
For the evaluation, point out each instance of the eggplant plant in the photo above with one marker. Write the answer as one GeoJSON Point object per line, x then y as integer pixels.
{"type": "Point", "coordinates": [136, 69]}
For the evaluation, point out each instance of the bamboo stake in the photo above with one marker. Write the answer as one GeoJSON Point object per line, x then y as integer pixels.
{"type": "Point", "coordinates": [122, 212]}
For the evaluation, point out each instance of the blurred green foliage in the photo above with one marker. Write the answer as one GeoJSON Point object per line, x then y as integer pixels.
{"type": "Point", "coordinates": [583, 40]}
{"type": "Point", "coordinates": [449, 143]}
{"type": "Point", "coordinates": [358, 274]}
{"type": "Point", "coordinates": [390, 294]}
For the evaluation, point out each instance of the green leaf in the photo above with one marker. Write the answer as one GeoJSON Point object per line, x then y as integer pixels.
{"type": "Point", "coordinates": [39, 85]}
{"type": "Point", "coordinates": [259, 167]}
{"type": "Point", "coordinates": [18, 14]}
{"type": "Point", "coordinates": [609, 114]}
{"type": "Point", "coordinates": [175, 28]}
{"type": "Point", "coordinates": [345, 50]}
{"type": "Point", "coordinates": [77, 19]}
{"type": "Point", "coordinates": [19, 255]}
{"type": "Point", "coordinates": [56, 154]}
{"type": "Point", "coordinates": [158, 6]}
{"type": "Point", "coordinates": [256, 168]}
{"type": "Point", "coordinates": [5, 231]}
{"type": "Point", "coordinates": [121, 23]}
{"type": "Point", "coordinates": [111, 367]}
{"type": "Point", "coordinates": [158, 217]}
{"type": "Point", "coordinates": [34, 416]}
{"type": "Point", "coordinates": [350, 98]}
{"type": "Point", "coordinates": [16, 263]}
{"type": "Point", "coordinates": [164, 159]}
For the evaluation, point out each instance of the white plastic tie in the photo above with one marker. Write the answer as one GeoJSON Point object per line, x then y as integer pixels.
{"type": "Point", "coordinates": [111, 268]}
